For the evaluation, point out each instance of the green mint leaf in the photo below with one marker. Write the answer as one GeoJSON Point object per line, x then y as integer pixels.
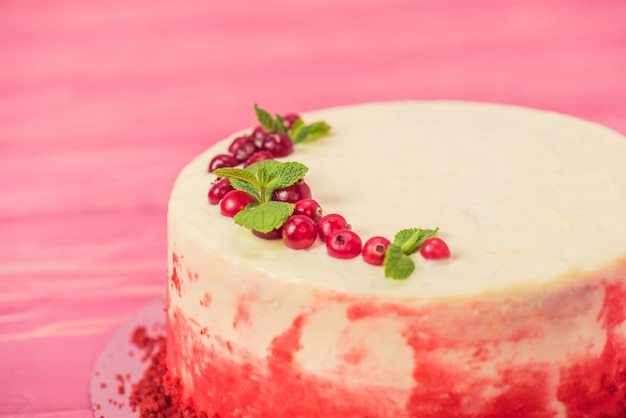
{"type": "Point", "coordinates": [268, 122]}
{"type": "Point", "coordinates": [287, 174]}
{"type": "Point", "coordinates": [410, 240]}
{"type": "Point", "coordinates": [237, 173]}
{"type": "Point", "coordinates": [263, 177]}
{"type": "Point", "coordinates": [246, 187]}
{"type": "Point", "coordinates": [281, 124]}
{"type": "Point", "coordinates": [268, 165]}
{"type": "Point", "coordinates": [397, 265]}
{"type": "Point", "coordinates": [264, 217]}
{"type": "Point", "coordinates": [295, 128]}
{"type": "Point", "coordinates": [319, 129]}
{"type": "Point", "coordinates": [311, 132]}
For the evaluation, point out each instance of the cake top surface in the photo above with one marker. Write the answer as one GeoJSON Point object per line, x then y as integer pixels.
{"type": "Point", "coordinates": [524, 198]}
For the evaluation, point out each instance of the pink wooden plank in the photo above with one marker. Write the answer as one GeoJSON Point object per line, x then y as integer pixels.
{"type": "Point", "coordinates": [102, 102]}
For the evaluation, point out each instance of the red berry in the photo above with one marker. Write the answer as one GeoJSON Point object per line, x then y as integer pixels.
{"type": "Point", "coordinates": [218, 190]}
{"type": "Point", "coordinates": [297, 191]}
{"type": "Point", "coordinates": [271, 235]}
{"type": "Point", "coordinates": [278, 144]}
{"type": "Point", "coordinates": [289, 119]}
{"type": "Point", "coordinates": [258, 136]}
{"type": "Point", "coordinates": [221, 161]}
{"type": "Point", "coordinates": [258, 156]}
{"type": "Point", "coordinates": [308, 207]}
{"type": "Point", "coordinates": [299, 232]}
{"type": "Point", "coordinates": [242, 148]}
{"type": "Point", "coordinates": [235, 201]}
{"type": "Point", "coordinates": [343, 244]}
{"type": "Point", "coordinates": [374, 250]}
{"type": "Point", "coordinates": [329, 223]}
{"type": "Point", "coordinates": [434, 249]}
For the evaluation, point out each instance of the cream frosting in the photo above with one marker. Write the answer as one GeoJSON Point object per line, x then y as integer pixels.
{"type": "Point", "coordinates": [524, 198]}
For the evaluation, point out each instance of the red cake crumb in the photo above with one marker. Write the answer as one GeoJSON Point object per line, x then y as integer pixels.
{"type": "Point", "coordinates": [157, 395]}
{"type": "Point", "coordinates": [120, 388]}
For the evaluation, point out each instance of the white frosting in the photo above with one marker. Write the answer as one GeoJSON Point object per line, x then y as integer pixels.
{"type": "Point", "coordinates": [523, 198]}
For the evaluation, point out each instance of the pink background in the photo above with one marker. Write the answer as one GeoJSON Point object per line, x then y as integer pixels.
{"type": "Point", "coordinates": [103, 102]}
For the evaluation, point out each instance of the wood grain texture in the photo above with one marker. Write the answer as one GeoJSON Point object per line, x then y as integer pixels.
{"type": "Point", "coordinates": [103, 102]}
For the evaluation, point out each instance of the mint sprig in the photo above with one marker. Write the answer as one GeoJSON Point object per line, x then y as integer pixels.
{"type": "Point", "coordinates": [299, 132]}
{"type": "Point", "coordinates": [269, 122]}
{"type": "Point", "coordinates": [260, 180]}
{"type": "Point", "coordinates": [410, 240]}
{"type": "Point", "coordinates": [264, 217]}
{"type": "Point", "coordinates": [398, 265]}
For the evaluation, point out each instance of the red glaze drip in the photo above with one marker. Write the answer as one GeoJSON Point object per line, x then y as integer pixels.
{"type": "Point", "coordinates": [226, 384]}
{"type": "Point", "coordinates": [206, 300]}
{"type": "Point", "coordinates": [176, 281]}
{"type": "Point", "coordinates": [284, 346]}
{"type": "Point", "coordinates": [354, 355]}
{"type": "Point", "coordinates": [595, 386]}
{"type": "Point", "coordinates": [242, 316]}
{"type": "Point", "coordinates": [365, 310]}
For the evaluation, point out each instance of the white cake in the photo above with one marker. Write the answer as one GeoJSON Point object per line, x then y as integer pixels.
{"type": "Point", "coordinates": [524, 320]}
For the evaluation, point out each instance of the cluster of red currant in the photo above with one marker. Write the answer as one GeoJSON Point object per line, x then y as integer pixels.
{"type": "Point", "coordinates": [258, 146]}
{"type": "Point", "coordinates": [306, 224]}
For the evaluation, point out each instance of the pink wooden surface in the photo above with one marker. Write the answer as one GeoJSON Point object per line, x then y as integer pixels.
{"type": "Point", "coordinates": [102, 102]}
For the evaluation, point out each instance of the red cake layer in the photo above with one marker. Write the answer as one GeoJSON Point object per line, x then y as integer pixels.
{"type": "Point", "coordinates": [594, 386]}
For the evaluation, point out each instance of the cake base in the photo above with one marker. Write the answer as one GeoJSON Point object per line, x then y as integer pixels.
{"type": "Point", "coordinates": [129, 380]}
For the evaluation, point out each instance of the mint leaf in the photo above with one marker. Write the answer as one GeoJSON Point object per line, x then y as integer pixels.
{"type": "Point", "coordinates": [264, 217]}
{"type": "Point", "coordinates": [397, 265]}
{"type": "Point", "coordinates": [263, 177]}
{"type": "Point", "coordinates": [269, 165]}
{"type": "Point", "coordinates": [410, 240]}
{"type": "Point", "coordinates": [281, 123]}
{"type": "Point", "coordinates": [287, 174]}
{"type": "Point", "coordinates": [271, 174]}
{"type": "Point", "coordinates": [295, 128]}
{"type": "Point", "coordinates": [237, 173]}
{"type": "Point", "coordinates": [268, 122]}
{"type": "Point", "coordinates": [310, 132]}
{"type": "Point", "coordinates": [246, 187]}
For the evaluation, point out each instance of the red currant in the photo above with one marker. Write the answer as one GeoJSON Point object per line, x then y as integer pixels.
{"type": "Point", "coordinates": [221, 161]}
{"type": "Point", "coordinates": [343, 244]}
{"type": "Point", "coordinates": [297, 191]}
{"type": "Point", "coordinates": [258, 156]}
{"type": "Point", "coordinates": [234, 202]}
{"type": "Point", "coordinates": [258, 136]}
{"type": "Point", "coordinates": [289, 119]}
{"type": "Point", "coordinates": [299, 232]}
{"type": "Point", "coordinates": [374, 250]}
{"type": "Point", "coordinates": [278, 144]}
{"type": "Point", "coordinates": [218, 190]}
{"type": "Point", "coordinates": [242, 148]}
{"type": "Point", "coordinates": [310, 208]}
{"type": "Point", "coordinates": [434, 249]}
{"type": "Point", "coordinates": [329, 223]}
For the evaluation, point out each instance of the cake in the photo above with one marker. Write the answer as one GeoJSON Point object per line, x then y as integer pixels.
{"type": "Point", "coordinates": [525, 319]}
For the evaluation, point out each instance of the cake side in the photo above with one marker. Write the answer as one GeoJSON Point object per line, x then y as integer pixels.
{"type": "Point", "coordinates": [242, 347]}
{"type": "Point", "coordinates": [526, 320]}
